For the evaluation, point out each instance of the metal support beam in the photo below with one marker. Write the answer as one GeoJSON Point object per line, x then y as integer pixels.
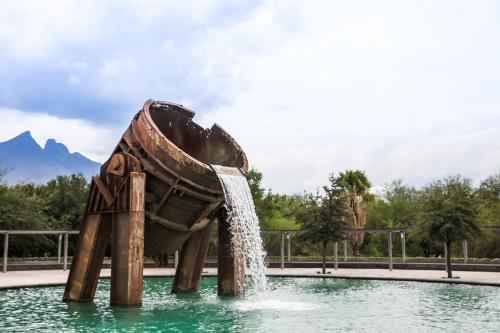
{"type": "Point", "coordinates": [230, 261]}
{"type": "Point", "coordinates": [389, 250]}
{"type": "Point", "coordinates": [127, 250]}
{"type": "Point", "coordinates": [59, 247]}
{"type": "Point", "coordinates": [5, 251]}
{"type": "Point", "coordinates": [282, 251]}
{"type": "Point", "coordinates": [335, 255]}
{"type": "Point", "coordinates": [176, 259]}
{"type": "Point", "coordinates": [192, 259]}
{"type": "Point", "coordinates": [345, 250]}
{"type": "Point", "coordinates": [466, 251]}
{"type": "Point", "coordinates": [403, 246]}
{"type": "Point", "coordinates": [65, 265]}
{"type": "Point", "coordinates": [288, 247]}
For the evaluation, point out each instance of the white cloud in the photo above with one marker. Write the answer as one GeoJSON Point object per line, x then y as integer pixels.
{"type": "Point", "coordinates": [93, 141]}
{"type": "Point", "coordinates": [399, 91]}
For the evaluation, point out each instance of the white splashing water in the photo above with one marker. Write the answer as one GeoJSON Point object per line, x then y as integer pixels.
{"type": "Point", "coordinates": [244, 223]}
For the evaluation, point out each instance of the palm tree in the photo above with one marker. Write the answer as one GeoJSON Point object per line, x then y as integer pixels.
{"type": "Point", "coordinates": [447, 213]}
{"type": "Point", "coordinates": [356, 188]}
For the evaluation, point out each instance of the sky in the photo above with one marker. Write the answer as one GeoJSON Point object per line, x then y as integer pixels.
{"type": "Point", "coordinates": [404, 90]}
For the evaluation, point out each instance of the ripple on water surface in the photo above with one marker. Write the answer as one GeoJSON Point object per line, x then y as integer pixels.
{"type": "Point", "coordinates": [308, 305]}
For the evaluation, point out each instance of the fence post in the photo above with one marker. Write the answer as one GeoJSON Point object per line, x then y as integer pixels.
{"type": "Point", "coordinates": [466, 251]}
{"type": "Point", "coordinates": [282, 251]}
{"type": "Point", "coordinates": [389, 250]}
{"type": "Point", "coordinates": [5, 251]}
{"type": "Point", "coordinates": [335, 255]}
{"type": "Point", "coordinates": [345, 250]}
{"type": "Point", "coordinates": [59, 248]}
{"type": "Point", "coordinates": [65, 264]}
{"type": "Point", "coordinates": [288, 247]}
{"type": "Point", "coordinates": [403, 246]}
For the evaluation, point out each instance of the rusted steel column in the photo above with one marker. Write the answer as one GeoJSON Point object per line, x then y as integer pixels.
{"type": "Point", "coordinates": [127, 258]}
{"type": "Point", "coordinates": [88, 258]}
{"type": "Point", "coordinates": [191, 261]}
{"type": "Point", "coordinates": [231, 265]}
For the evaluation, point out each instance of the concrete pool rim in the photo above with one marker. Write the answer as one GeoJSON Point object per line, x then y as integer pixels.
{"type": "Point", "coordinates": [442, 280]}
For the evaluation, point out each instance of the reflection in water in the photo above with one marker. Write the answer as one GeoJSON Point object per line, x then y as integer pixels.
{"type": "Point", "coordinates": [302, 305]}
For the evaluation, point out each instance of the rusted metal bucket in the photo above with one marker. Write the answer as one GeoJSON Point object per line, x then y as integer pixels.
{"type": "Point", "coordinates": [182, 190]}
{"type": "Point", "coordinates": [157, 193]}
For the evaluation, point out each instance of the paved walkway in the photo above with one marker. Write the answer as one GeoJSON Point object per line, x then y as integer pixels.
{"type": "Point", "coordinates": [58, 277]}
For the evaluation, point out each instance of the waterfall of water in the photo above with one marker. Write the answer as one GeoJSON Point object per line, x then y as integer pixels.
{"type": "Point", "coordinates": [244, 224]}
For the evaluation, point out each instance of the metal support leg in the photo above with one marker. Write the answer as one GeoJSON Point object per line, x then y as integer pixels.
{"type": "Point", "coordinates": [59, 248]}
{"type": "Point", "coordinates": [403, 246]}
{"type": "Point", "coordinates": [466, 251]}
{"type": "Point", "coordinates": [345, 250]}
{"type": "Point", "coordinates": [87, 258]}
{"type": "Point", "coordinates": [231, 263]}
{"type": "Point", "coordinates": [5, 251]}
{"type": "Point", "coordinates": [288, 247]}
{"type": "Point", "coordinates": [176, 259]}
{"type": "Point", "coordinates": [191, 261]}
{"type": "Point", "coordinates": [65, 265]}
{"type": "Point", "coordinates": [335, 255]}
{"type": "Point", "coordinates": [127, 250]}
{"type": "Point", "coordinates": [282, 252]}
{"type": "Point", "coordinates": [389, 249]}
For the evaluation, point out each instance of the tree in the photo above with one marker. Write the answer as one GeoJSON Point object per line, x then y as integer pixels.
{"type": "Point", "coordinates": [356, 189]}
{"type": "Point", "coordinates": [66, 197]}
{"type": "Point", "coordinates": [323, 218]}
{"type": "Point", "coordinates": [447, 213]}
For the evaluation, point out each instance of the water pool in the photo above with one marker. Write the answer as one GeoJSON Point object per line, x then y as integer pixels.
{"type": "Point", "coordinates": [291, 305]}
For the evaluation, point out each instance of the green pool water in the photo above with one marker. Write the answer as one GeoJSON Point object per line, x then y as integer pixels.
{"type": "Point", "coordinates": [290, 305]}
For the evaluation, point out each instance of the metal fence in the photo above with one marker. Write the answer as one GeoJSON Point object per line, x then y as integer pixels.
{"type": "Point", "coordinates": [285, 237]}
{"type": "Point", "coordinates": [62, 237]}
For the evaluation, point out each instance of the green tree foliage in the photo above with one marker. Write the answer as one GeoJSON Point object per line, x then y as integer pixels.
{"type": "Point", "coordinates": [19, 210]}
{"type": "Point", "coordinates": [275, 211]}
{"type": "Point", "coordinates": [59, 204]}
{"type": "Point", "coordinates": [323, 219]}
{"type": "Point", "coordinates": [447, 213]}
{"type": "Point", "coordinates": [65, 198]}
{"type": "Point", "coordinates": [394, 207]}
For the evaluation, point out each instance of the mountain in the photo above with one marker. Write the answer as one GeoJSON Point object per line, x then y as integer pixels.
{"type": "Point", "coordinates": [26, 162]}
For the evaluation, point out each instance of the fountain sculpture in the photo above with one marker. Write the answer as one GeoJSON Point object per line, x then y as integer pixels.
{"type": "Point", "coordinates": [159, 192]}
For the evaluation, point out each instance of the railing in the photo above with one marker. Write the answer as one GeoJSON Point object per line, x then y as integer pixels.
{"type": "Point", "coordinates": [285, 234]}
{"type": "Point", "coordinates": [60, 234]}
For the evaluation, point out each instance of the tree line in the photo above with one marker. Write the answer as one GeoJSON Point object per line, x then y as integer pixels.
{"type": "Point", "coordinates": [346, 201]}
{"type": "Point", "coordinates": [58, 204]}
{"type": "Point", "coordinates": [438, 215]}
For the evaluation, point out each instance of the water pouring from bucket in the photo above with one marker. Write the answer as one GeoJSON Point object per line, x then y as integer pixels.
{"type": "Point", "coordinates": [244, 224]}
